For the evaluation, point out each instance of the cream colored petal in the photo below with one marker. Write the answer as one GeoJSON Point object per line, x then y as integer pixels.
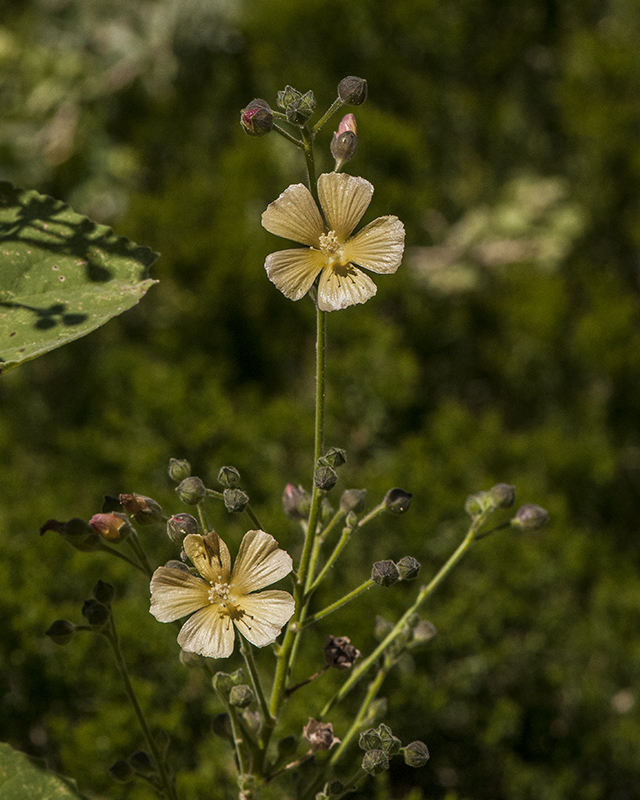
{"type": "Point", "coordinates": [260, 562]}
{"type": "Point", "coordinates": [265, 614]}
{"type": "Point", "coordinates": [209, 555]}
{"type": "Point", "coordinates": [344, 199]}
{"type": "Point", "coordinates": [340, 287]}
{"type": "Point", "coordinates": [294, 215]}
{"type": "Point", "coordinates": [378, 246]}
{"type": "Point", "coordinates": [294, 271]}
{"type": "Point", "coordinates": [208, 633]}
{"type": "Point", "coordinates": [175, 593]}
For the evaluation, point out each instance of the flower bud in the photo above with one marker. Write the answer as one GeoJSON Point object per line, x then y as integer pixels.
{"type": "Point", "coordinates": [375, 762]}
{"type": "Point", "coordinates": [191, 491]}
{"type": "Point", "coordinates": [61, 631]}
{"type": "Point", "coordinates": [144, 510]}
{"type": "Point", "coordinates": [502, 495]}
{"type": "Point", "coordinates": [339, 653]}
{"type": "Point", "coordinates": [296, 502]}
{"type": "Point", "coordinates": [113, 528]}
{"type": "Point", "coordinates": [241, 696]}
{"type": "Point", "coordinates": [181, 525]}
{"type": "Point", "coordinates": [223, 682]}
{"type": "Point", "coordinates": [408, 568]}
{"type": "Point", "coordinates": [397, 501]}
{"type": "Point", "coordinates": [424, 631]}
{"type": "Point", "coordinates": [121, 771]}
{"type": "Point", "coordinates": [530, 517]}
{"type": "Point", "coordinates": [298, 107]}
{"type": "Point", "coordinates": [369, 740]}
{"type": "Point", "coordinates": [96, 614]}
{"type": "Point", "coordinates": [257, 118]}
{"type": "Point", "coordinates": [229, 477]}
{"type": "Point", "coordinates": [385, 573]}
{"type": "Point", "coordinates": [247, 783]}
{"type": "Point", "coordinates": [325, 478]}
{"type": "Point", "coordinates": [334, 457]}
{"type": "Point", "coordinates": [235, 500]}
{"type": "Point", "coordinates": [345, 141]}
{"type": "Point", "coordinates": [319, 735]}
{"type": "Point", "coordinates": [142, 764]}
{"type": "Point", "coordinates": [190, 660]}
{"type": "Point", "coordinates": [477, 503]}
{"type": "Point", "coordinates": [416, 754]}
{"type": "Point", "coordinates": [326, 510]}
{"type": "Point", "coordinates": [388, 742]}
{"type": "Point", "coordinates": [382, 627]}
{"type": "Point", "coordinates": [352, 90]}
{"type": "Point", "coordinates": [76, 531]}
{"type": "Point", "coordinates": [353, 500]}
{"type": "Point", "coordinates": [104, 592]}
{"type": "Point", "coordinates": [179, 469]}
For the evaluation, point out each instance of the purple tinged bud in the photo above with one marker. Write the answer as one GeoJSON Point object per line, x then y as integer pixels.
{"type": "Point", "coordinates": [397, 501]}
{"type": "Point", "coordinates": [296, 502]}
{"type": "Point", "coordinates": [385, 573]}
{"type": "Point", "coordinates": [257, 118]}
{"type": "Point", "coordinates": [143, 510]}
{"type": "Point", "coordinates": [113, 528]}
{"type": "Point", "coordinates": [352, 90]}
{"type": "Point", "coordinates": [181, 525]}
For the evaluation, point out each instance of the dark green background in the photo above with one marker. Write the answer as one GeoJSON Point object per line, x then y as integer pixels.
{"type": "Point", "coordinates": [129, 111]}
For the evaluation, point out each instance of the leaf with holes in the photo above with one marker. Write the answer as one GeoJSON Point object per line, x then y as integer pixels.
{"type": "Point", "coordinates": [61, 275]}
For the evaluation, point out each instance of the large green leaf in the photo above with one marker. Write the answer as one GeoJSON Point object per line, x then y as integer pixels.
{"type": "Point", "coordinates": [20, 779]}
{"type": "Point", "coordinates": [61, 275]}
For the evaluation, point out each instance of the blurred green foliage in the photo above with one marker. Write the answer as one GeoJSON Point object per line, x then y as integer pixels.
{"type": "Point", "coordinates": [525, 374]}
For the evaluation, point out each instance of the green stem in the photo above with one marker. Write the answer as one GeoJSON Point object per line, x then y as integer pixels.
{"type": "Point", "coordinates": [319, 539]}
{"type": "Point", "coordinates": [337, 103]}
{"type": "Point", "coordinates": [397, 630]}
{"type": "Point", "coordinates": [372, 691]}
{"type": "Point", "coordinates": [134, 544]}
{"type": "Point", "coordinates": [204, 522]}
{"type": "Point", "coordinates": [247, 653]}
{"type": "Point", "coordinates": [338, 604]}
{"type": "Point", "coordinates": [288, 136]}
{"type": "Point", "coordinates": [112, 636]}
{"type": "Point", "coordinates": [307, 146]}
{"type": "Point", "coordinates": [253, 517]}
{"type": "Point", "coordinates": [103, 548]}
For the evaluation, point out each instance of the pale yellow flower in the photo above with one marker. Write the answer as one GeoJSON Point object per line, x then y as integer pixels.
{"type": "Point", "coordinates": [222, 598]}
{"type": "Point", "coordinates": [331, 253]}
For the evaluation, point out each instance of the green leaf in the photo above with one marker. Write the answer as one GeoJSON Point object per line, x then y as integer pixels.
{"type": "Point", "coordinates": [61, 275]}
{"type": "Point", "coordinates": [20, 779]}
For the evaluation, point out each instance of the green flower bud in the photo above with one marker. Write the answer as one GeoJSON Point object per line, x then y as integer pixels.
{"type": "Point", "coordinates": [61, 631]}
{"type": "Point", "coordinates": [229, 477]}
{"type": "Point", "coordinates": [299, 111]}
{"type": "Point", "coordinates": [502, 495]}
{"type": "Point", "coordinates": [223, 682]}
{"type": "Point", "coordinates": [191, 491]}
{"type": "Point", "coordinates": [530, 517]}
{"type": "Point", "coordinates": [325, 478]}
{"type": "Point", "coordinates": [388, 742]}
{"type": "Point", "coordinates": [235, 500]}
{"type": "Point", "coordinates": [144, 510]}
{"type": "Point", "coordinates": [190, 660]}
{"type": "Point", "coordinates": [247, 784]}
{"type": "Point", "coordinates": [334, 457]}
{"type": "Point", "coordinates": [408, 568]}
{"type": "Point", "coordinates": [104, 592]}
{"type": "Point", "coordinates": [397, 501]}
{"type": "Point", "coordinates": [352, 90]}
{"type": "Point", "coordinates": [142, 764]}
{"type": "Point", "coordinates": [96, 614]}
{"type": "Point", "coordinates": [370, 740]}
{"type": "Point", "coordinates": [113, 528]}
{"type": "Point", "coordinates": [416, 754]}
{"type": "Point", "coordinates": [375, 762]}
{"type": "Point", "coordinates": [296, 502]}
{"type": "Point", "coordinates": [424, 631]}
{"type": "Point", "coordinates": [477, 503]}
{"type": "Point", "coordinates": [181, 525]}
{"type": "Point", "coordinates": [257, 118]}
{"type": "Point", "coordinates": [241, 696]}
{"type": "Point", "coordinates": [77, 532]}
{"type": "Point", "coordinates": [334, 788]}
{"type": "Point", "coordinates": [121, 772]}
{"type": "Point", "coordinates": [385, 573]}
{"type": "Point", "coordinates": [353, 500]}
{"type": "Point", "coordinates": [179, 469]}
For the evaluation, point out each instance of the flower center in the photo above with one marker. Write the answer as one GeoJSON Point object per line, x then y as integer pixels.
{"type": "Point", "coordinates": [332, 249]}
{"type": "Point", "coordinates": [220, 595]}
